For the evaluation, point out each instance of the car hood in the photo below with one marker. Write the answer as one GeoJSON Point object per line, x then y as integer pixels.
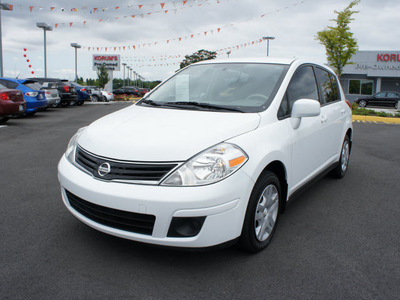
{"type": "Point", "coordinates": [155, 134]}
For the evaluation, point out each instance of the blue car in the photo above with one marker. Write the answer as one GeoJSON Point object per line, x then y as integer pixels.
{"type": "Point", "coordinates": [35, 98]}
{"type": "Point", "coordinates": [82, 93]}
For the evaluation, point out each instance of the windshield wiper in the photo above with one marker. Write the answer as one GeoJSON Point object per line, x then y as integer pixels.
{"type": "Point", "coordinates": [151, 102]}
{"type": "Point", "coordinates": [201, 105]}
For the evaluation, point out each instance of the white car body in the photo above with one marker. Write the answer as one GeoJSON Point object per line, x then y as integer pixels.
{"type": "Point", "coordinates": [107, 96]}
{"type": "Point", "coordinates": [303, 147]}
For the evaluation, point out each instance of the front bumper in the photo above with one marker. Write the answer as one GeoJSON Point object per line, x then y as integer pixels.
{"type": "Point", "coordinates": [223, 205]}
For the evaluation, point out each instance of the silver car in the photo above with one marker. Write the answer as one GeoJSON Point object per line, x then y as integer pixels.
{"type": "Point", "coordinates": [51, 92]}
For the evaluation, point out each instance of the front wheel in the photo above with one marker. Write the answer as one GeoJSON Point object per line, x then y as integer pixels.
{"type": "Point", "coordinates": [262, 213]}
{"type": "Point", "coordinates": [362, 103]}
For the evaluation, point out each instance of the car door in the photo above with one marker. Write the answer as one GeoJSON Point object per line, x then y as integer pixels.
{"type": "Point", "coordinates": [333, 110]}
{"type": "Point", "coordinates": [378, 99]}
{"type": "Point", "coordinates": [392, 98]}
{"type": "Point", "coordinates": [309, 142]}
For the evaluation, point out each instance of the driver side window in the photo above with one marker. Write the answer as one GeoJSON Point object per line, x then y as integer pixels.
{"type": "Point", "coordinates": [301, 86]}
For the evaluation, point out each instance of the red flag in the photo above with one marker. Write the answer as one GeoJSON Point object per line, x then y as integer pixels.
{"type": "Point", "coordinates": [180, 39]}
{"type": "Point", "coordinates": [115, 48]}
{"type": "Point", "coordinates": [117, 7]}
{"type": "Point", "coordinates": [11, 7]}
{"type": "Point", "coordinates": [140, 6]}
{"type": "Point", "coordinates": [52, 8]}
{"type": "Point", "coordinates": [162, 5]}
{"type": "Point", "coordinates": [88, 48]}
{"type": "Point", "coordinates": [184, 2]}
{"type": "Point", "coordinates": [30, 8]}
{"type": "Point", "coordinates": [133, 16]}
{"type": "Point", "coordinates": [192, 35]}
{"type": "Point", "coordinates": [84, 22]}
{"type": "Point", "coordinates": [219, 29]}
{"type": "Point", "coordinates": [205, 32]}
{"type": "Point", "coordinates": [94, 9]}
{"type": "Point", "coordinates": [100, 20]}
{"type": "Point", "coordinates": [70, 24]}
{"type": "Point", "coordinates": [166, 11]}
{"type": "Point", "coordinates": [56, 25]}
{"type": "Point", "coordinates": [167, 41]}
{"type": "Point", "coordinates": [134, 47]}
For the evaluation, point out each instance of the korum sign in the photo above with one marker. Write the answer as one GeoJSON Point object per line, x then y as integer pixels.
{"type": "Point", "coordinates": [111, 62]}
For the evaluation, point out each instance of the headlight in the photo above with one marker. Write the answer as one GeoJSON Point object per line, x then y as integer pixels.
{"type": "Point", "coordinates": [209, 166]}
{"type": "Point", "coordinates": [71, 148]}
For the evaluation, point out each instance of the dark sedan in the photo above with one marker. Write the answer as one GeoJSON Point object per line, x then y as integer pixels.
{"type": "Point", "coordinates": [380, 99]}
{"type": "Point", "coordinates": [11, 103]}
{"type": "Point", "coordinates": [127, 90]}
{"type": "Point", "coordinates": [65, 89]}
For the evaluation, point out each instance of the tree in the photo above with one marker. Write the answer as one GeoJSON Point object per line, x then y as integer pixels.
{"type": "Point", "coordinates": [198, 56]}
{"type": "Point", "coordinates": [338, 40]}
{"type": "Point", "coordinates": [102, 77]}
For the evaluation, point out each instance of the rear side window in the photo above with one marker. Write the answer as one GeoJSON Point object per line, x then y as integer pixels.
{"type": "Point", "coordinates": [301, 86]}
{"type": "Point", "coordinates": [9, 84]}
{"type": "Point", "coordinates": [328, 89]}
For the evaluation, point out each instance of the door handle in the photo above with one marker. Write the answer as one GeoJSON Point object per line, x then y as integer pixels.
{"type": "Point", "coordinates": [343, 111]}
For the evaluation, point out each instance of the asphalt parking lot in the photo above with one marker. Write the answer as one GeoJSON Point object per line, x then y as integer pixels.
{"type": "Point", "coordinates": [339, 240]}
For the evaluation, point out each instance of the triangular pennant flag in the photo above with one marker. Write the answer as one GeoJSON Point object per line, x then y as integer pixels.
{"type": "Point", "coordinates": [31, 8]}
{"type": "Point", "coordinates": [52, 8]}
{"type": "Point", "coordinates": [140, 6]}
{"type": "Point", "coordinates": [162, 5]}
{"type": "Point", "coordinates": [94, 9]}
{"type": "Point", "coordinates": [70, 24]}
{"type": "Point", "coordinates": [184, 2]}
{"type": "Point", "coordinates": [56, 25]}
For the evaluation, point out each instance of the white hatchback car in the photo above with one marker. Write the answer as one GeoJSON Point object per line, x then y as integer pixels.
{"type": "Point", "coordinates": [212, 155]}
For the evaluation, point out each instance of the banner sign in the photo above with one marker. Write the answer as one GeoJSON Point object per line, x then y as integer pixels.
{"type": "Point", "coordinates": [111, 62]}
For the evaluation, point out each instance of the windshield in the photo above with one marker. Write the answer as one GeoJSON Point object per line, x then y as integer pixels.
{"type": "Point", "coordinates": [242, 87]}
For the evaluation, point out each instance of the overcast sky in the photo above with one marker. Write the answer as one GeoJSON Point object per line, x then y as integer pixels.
{"type": "Point", "coordinates": [163, 32]}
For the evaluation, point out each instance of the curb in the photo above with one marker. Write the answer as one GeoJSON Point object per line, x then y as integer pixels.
{"type": "Point", "coordinates": [386, 120]}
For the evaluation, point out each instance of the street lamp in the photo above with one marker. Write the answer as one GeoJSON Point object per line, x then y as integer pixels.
{"type": "Point", "coordinates": [124, 64]}
{"type": "Point", "coordinates": [268, 38]}
{"type": "Point", "coordinates": [129, 75]}
{"type": "Point", "coordinates": [45, 28]}
{"type": "Point", "coordinates": [76, 46]}
{"type": "Point", "coordinates": [3, 6]}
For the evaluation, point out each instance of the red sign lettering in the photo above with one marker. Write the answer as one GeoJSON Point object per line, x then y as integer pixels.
{"type": "Point", "coordinates": [388, 57]}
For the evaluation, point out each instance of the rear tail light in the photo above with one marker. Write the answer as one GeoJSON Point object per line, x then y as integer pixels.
{"type": "Point", "coordinates": [66, 88]}
{"type": "Point", "coordinates": [83, 90]}
{"type": "Point", "coordinates": [47, 92]}
{"type": "Point", "coordinates": [349, 104]}
{"type": "Point", "coordinates": [31, 94]}
{"type": "Point", "coordinates": [4, 96]}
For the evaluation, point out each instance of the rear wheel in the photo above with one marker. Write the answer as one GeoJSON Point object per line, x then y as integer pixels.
{"type": "Point", "coordinates": [95, 98]}
{"type": "Point", "coordinates": [262, 213]}
{"type": "Point", "coordinates": [3, 120]}
{"type": "Point", "coordinates": [343, 164]}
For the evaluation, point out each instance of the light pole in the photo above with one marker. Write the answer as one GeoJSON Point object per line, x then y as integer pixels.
{"type": "Point", "coordinates": [129, 75]}
{"type": "Point", "coordinates": [124, 64]}
{"type": "Point", "coordinates": [268, 38]}
{"type": "Point", "coordinates": [45, 28]}
{"type": "Point", "coordinates": [76, 46]}
{"type": "Point", "coordinates": [3, 6]}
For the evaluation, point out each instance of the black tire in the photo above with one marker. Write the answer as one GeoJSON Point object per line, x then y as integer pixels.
{"type": "Point", "coordinates": [343, 164]}
{"type": "Point", "coordinates": [396, 105]}
{"type": "Point", "coordinates": [79, 103]}
{"type": "Point", "coordinates": [65, 103]}
{"type": "Point", "coordinates": [362, 103]}
{"type": "Point", "coordinates": [3, 120]}
{"type": "Point", "coordinates": [252, 239]}
{"type": "Point", "coordinates": [95, 98]}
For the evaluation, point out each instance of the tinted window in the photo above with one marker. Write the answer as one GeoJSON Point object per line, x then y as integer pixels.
{"type": "Point", "coordinates": [380, 95]}
{"type": "Point", "coordinates": [9, 84]}
{"type": "Point", "coordinates": [335, 87]}
{"type": "Point", "coordinates": [2, 87]}
{"type": "Point", "coordinates": [302, 86]}
{"type": "Point", "coordinates": [392, 95]}
{"type": "Point", "coordinates": [329, 92]}
{"type": "Point", "coordinates": [33, 85]}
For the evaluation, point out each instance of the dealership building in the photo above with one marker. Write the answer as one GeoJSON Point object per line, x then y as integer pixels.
{"type": "Point", "coordinates": [371, 72]}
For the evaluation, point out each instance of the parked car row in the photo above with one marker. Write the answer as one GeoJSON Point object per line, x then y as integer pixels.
{"type": "Point", "coordinates": [28, 96]}
{"type": "Point", "coordinates": [380, 99]}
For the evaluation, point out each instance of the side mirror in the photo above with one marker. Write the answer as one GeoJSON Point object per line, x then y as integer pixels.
{"type": "Point", "coordinates": [304, 108]}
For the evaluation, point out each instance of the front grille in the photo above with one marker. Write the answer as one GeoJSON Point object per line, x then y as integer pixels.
{"type": "Point", "coordinates": [123, 170]}
{"type": "Point", "coordinates": [128, 221]}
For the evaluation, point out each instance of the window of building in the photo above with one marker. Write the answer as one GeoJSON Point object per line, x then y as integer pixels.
{"type": "Point", "coordinates": [360, 86]}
